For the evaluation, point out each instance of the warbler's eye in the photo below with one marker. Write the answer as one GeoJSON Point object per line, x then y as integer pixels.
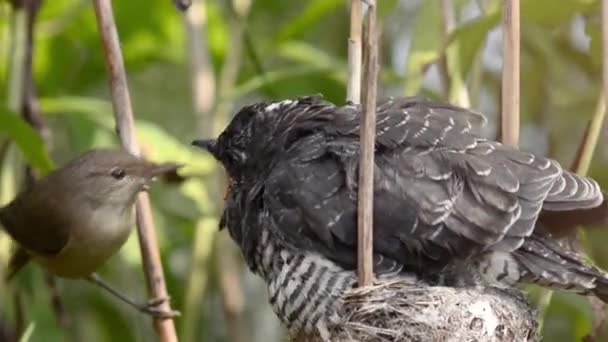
{"type": "Point", "coordinates": [117, 173]}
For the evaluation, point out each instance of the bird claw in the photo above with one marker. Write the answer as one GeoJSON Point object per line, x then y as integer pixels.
{"type": "Point", "coordinates": [152, 308]}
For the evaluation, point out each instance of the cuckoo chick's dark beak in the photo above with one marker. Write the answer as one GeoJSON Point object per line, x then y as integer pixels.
{"type": "Point", "coordinates": [207, 144]}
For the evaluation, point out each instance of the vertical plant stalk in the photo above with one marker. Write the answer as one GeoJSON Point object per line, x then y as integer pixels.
{"type": "Point", "coordinates": [30, 106]}
{"type": "Point", "coordinates": [15, 87]}
{"type": "Point", "coordinates": [30, 110]}
{"type": "Point", "coordinates": [183, 5]}
{"type": "Point", "coordinates": [585, 156]}
{"type": "Point", "coordinates": [447, 23]}
{"type": "Point", "coordinates": [229, 74]}
{"type": "Point", "coordinates": [510, 73]}
{"type": "Point", "coordinates": [594, 128]}
{"type": "Point", "coordinates": [23, 98]}
{"type": "Point", "coordinates": [203, 97]}
{"type": "Point", "coordinates": [353, 87]}
{"type": "Point", "coordinates": [14, 100]}
{"type": "Point", "coordinates": [125, 127]}
{"type": "Point", "coordinates": [367, 144]}
{"type": "Point", "coordinates": [596, 125]}
{"type": "Point", "coordinates": [581, 165]}
{"type": "Point", "coordinates": [586, 148]}
{"type": "Point", "coordinates": [201, 70]}
{"type": "Point", "coordinates": [229, 277]}
{"type": "Point", "coordinates": [233, 301]}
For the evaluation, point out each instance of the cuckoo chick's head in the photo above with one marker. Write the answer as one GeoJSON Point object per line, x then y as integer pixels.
{"type": "Point", "coordinates": [257, 134]}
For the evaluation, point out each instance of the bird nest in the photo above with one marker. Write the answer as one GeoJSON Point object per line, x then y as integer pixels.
{"type": "Point", "coordinates": [399, 311]}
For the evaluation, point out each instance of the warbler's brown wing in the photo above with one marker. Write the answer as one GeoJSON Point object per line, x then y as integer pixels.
{"type": "Point", "coordinates": [19, 258]}
{"type": "Point", "coordinates": [38, 219]}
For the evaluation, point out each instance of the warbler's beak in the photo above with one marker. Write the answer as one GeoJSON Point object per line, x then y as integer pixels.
{"type": "Point", "coordinates": [207, 144]}
{"type": "Point", "coordinates": [153, 170]}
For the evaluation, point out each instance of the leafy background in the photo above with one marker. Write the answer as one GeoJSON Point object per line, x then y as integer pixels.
{"type": "Point", "coordinates": [243, 51]}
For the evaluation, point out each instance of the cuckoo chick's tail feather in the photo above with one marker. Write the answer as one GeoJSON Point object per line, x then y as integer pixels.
{"type": "Point", "coordinates": [546, 262]}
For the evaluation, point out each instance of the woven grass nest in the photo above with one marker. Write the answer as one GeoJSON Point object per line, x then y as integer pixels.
{"type": "Point", "coordinates": [398, 311]}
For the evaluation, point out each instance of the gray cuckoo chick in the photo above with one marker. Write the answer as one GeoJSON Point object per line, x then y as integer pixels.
{"type": "Point", "coordinates": [450, 206]}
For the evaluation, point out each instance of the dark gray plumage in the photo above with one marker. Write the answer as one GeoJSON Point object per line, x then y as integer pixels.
{"type": "Point", "coordinates": [450, 206]}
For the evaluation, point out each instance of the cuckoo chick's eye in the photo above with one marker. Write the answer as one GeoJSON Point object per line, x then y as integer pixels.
{"type": "Point", "coordinates": [118, 173]}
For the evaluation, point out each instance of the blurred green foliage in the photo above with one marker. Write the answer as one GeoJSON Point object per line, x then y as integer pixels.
{"type": "Point", "coordinates": [277, 49]}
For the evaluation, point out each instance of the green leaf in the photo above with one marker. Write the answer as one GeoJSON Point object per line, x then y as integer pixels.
{"type": "Point", "coordinates": [274, 76]}
{"type": "Point", "coordinates": [305, 53]}
{"type": "Point", "coordinates": [27, 139]}
{"type": "Point", "coordinates": [425, 45]}
{"type": "Point", "coordinates": [315, 10]}
{"type": "Point", "coordinates": [470, 38]}
{"type": "Point", "coordinates": [386, 7]}
{"type": "Point", "coordinates": [553, 13]}
{"type": "Point", "coordinates": [96, 110]}
{"type": "Point", "coordinates": [302, 52]}
{"type": "Point", "coordinates": [166, 146]}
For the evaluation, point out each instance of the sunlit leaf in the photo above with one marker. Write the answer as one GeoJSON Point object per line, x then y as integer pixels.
{"type": "Point", "coordinates": [96, 110]}
{"type": "Point", "coordinates": [27, 334]}
{"type": "Point", "coordinates": [161, 146]}
{"type": "Point", "coordinates": [155, 141]}
{"type": "Point", "coordinates": [27, 139]}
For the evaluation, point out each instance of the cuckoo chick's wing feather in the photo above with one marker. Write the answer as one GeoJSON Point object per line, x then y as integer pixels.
{"type": "Point", "coordinates": [440, 189]}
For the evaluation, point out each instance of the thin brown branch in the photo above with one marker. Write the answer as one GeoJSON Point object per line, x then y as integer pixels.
{"type": "Point", "coordinates": [14, 102]}
{"type": "Point", "coordinates": [450, 70]}
{"type": "Point", "coordinates": [30, 110]}
{"type": "Point", "coordinates": [233, 301]}
{"type": "Point", "coordinates": [19, 314]}
{"type": "Point", "coordinates": [586, 148]}
{"type": "Point", "coordinates": [201, 70]}
{"type": "Point", "coordinates": [353, 90]}
{"type": "Point", "coordinates": [30, 105]}
{"type": "Point", "coordinates": [448, 21]}
{"type": "Point", "coordinates": [229, 279]}
{"type": "Point", "coordinates": [366, 163]}
{"type": "Point", "coordinates": [605, 49]}
{"type": "Point", "coordinates": [510, 73]}
{"type": "Point", "coordinates": [586, 155]}
{"type": "Point", "coordinates": [182, 5]}
{"type": "Point", "coordinates": [17, 55]}
{"type": "Point", "coordinates": [63, 319]}
{"type": "Point", "coordinates": [7, 332]}
{"type": "Point", "coordinates": [124, 117]}
{"type": "Point", "coordinates": [203, 97]}
{"type": "Point", "coordinates": [228, 76]}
